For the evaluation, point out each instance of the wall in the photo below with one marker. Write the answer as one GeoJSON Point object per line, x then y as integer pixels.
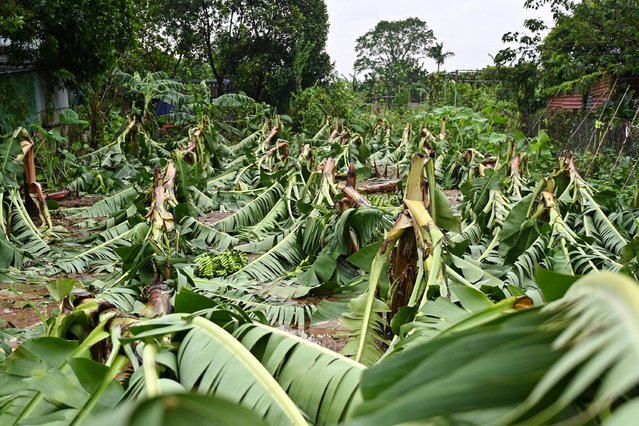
{"type": "Point", "coordinates": [17, 100]}
{"type": "Point", "coordinates": [26, 98]}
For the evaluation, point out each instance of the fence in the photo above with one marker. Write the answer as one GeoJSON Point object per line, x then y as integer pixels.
{"type": "Point", "coordinates": [583, 133]}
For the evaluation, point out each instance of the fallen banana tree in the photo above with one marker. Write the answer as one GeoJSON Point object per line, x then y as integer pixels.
{"type": "Point", "coordinates": [413, 249]}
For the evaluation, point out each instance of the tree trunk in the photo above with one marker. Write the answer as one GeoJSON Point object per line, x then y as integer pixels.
{"type": "Point", "coordinates": [402, 273]}
{"type": "Point", "coordinates": [94, 121]}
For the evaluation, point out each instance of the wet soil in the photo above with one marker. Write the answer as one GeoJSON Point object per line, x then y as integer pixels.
{"type": "Point", "coordinates": [214, 217]}
{"type": "Point", "coordinates": [74, 226]}
{"type": "Point", "coordinates": [328, 334]}
{"type": "Point", "coordinates": [22, 311]}
{"type": "Point", "coordinates": [71, 225]}
{"type": "Point", "coordinates": [72, 201]}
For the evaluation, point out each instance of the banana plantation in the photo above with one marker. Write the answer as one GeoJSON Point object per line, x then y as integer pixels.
{"type": "Point", "coordinates": [236, 268]}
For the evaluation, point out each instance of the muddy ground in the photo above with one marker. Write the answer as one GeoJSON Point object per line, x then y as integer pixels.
{"type": "Point", "coordinates": [22, 311]}
{"type": "Point", "coordinates": [214, 217]}
{"type": "Point", "coordinates": [72, 201]}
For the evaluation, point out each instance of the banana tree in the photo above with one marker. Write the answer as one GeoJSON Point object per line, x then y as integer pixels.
{"type": "Point", "coordinates": [413, 249]}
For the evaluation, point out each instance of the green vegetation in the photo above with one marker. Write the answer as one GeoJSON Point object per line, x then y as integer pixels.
{"type": "Point", "coordinates": [352, 261]}
{"type": "Point", "coordinates": [174, 297]}
{"type": "Point", "coordinates": [77, 47]}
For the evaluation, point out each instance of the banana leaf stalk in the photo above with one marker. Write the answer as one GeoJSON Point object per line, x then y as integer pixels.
{"type": "Point", "coordinates": [35, 199]}
{"type": "Point", "coordinates": [158, 300]}
{"type": "Point", "coordinates": [352, 198]}
{"type": "Point", "coordinates": [322, 131]}
{"type": "Point", "coordinates": [270, 160]}
{"type": "Point", "coordinates": [390, 186]}
{"type": "Point", "coordinates": [515, 184]}
{"type": "Point", "coordinates": [336, 130]}
{"type": "Point", "coordinates": [160, 218]}
{"type": "Point", "coordinates": [327, 185]}
{"type": "Point", "coordinates": [567, 236]}
{"type": "Point", "coordinates": [426, 139]}
{"type": "Point", "coordinates": [497, 209]}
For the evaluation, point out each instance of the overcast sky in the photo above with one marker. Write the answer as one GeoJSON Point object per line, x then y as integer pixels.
{"type": "Point", "coordinates": [470, 28]}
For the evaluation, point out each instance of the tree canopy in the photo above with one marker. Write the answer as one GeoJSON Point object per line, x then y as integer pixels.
{"type": "Point", "coordinates": [77, 40]}
{"type": "Point", "coordinates": [267, 48]}
{"type": "Point", "coordinates": [390, 56]}
{"type": "Point", "coordinates": [599, 36]}
{"type": "Point", "coordinates": [589, 37]}
{"type": "Point", "coordinates": [393, 43]}
{"type": "Point", "coordinates": [437, 53]}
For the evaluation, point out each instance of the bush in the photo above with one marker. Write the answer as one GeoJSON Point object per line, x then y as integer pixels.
{"type": "Point", "coordinates": [309, 107]}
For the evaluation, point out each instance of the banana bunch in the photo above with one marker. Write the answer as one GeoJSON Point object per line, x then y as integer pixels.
{"type": "Point", "coordinates": [221, 264]}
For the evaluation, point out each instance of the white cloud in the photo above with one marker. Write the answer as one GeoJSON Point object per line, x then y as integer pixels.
{"type": "Point", "coordinates": [471, 29]}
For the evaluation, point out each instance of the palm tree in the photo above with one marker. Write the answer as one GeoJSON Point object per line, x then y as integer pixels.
{"type": "Point", "coordinates": [437, 53]}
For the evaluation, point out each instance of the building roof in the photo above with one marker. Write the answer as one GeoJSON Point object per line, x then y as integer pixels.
{"type": "Point", "coordinates": [6, 67]}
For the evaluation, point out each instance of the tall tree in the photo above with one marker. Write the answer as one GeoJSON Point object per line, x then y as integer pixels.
{"type": "Point", "coordinates": [437, 53]}
{"type": "Point", "coordinates": [598, 36]}
{"type": "Point", "coordinates": [269, 48]}
{"type": "Point", "coordinates": [393, 44]}
{"type": "Point", "coordinates": [524, 45]}
{"type": "Point", "coordinates": [390, 53]}
{"type": "Point", "coordinates": [77, 40]}
{"type": "Point", "coordinates": [157, 48]}
{"type": "Point", "coordinates": [588, 38]}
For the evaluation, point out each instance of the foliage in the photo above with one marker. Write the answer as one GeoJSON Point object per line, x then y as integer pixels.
{"type": "Point", "coordinates": [597, 36]}
{"type": "Point", "coordinates": [312, 106]}
{"type": "Point", "coordinates": [255, 44]}
{"type": "Point", "coordinates": [391, 52]}
{"type": "Point", "coordinates": [392, 43]}
{"type": "Point", "coordinates": [79, 46]}
{"type": "Point", "coordinates": [422, 287]}
{"type": "Point", "coordinates": [437, 53]}
{"type": "Point", "coordinates": [16, 109]}
{"type": "Point", "coordinates": [588, 39]}
{"type": "Point", "coordinates": [520, 368]}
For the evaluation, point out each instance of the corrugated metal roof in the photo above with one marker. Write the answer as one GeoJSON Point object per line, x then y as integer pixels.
{"type": "Point", "coordinates": [599, 94]}
{"type": "Point", "coordinates": [571, 102]}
